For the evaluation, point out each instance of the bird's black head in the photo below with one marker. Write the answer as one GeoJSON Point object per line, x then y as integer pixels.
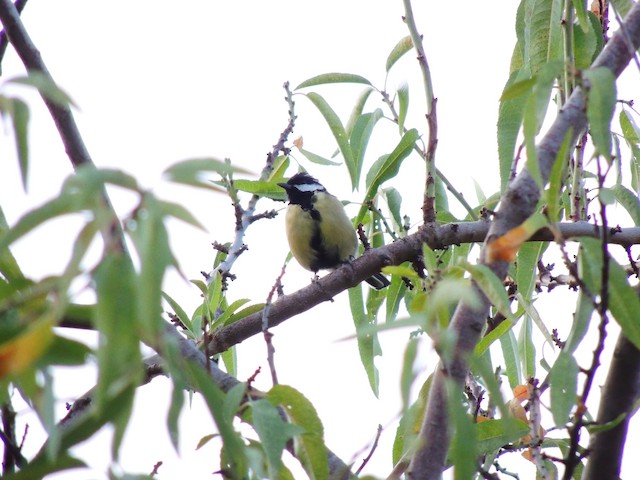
{"type": "Point", "coordinates": [300, 189]}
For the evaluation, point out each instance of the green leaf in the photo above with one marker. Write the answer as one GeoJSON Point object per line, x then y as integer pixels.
{"type": "Point", "coordinates": [601, 101]}
{"type": "Point", "coordinates": [358, 108]}
{"type": "Point", "coordinates": [317, 159]}
{"type": "Point", "coordinates": [367, 338]}
{"type": "Point", "coordinates": [234, 455]}
{"type": "Point", "coordinates": [64, 351]}
{"type": "Point", "coordinates": [509, 346]}
{"type": "Point", "coordinates": [403, 105]}
{"type": "Point", "coordinates": [178, 211]}
{"type": "Point", "coordinates": [527, 348]}
{"type": "Point", "coordinates": [629, 201]}
{"type": "Point", "coordinates": [624, 303]}
{"type": "Point", "coordinates": [542, 35]}
{"type": "Point", "coordinates": [402, 47]}
{"type": "Point", "coordinates": [491, 286]}
{"type": "Point", "coordinates": [580, 324]}
{"type": "Point", "coordinates": [273, 431]}
{"type": "Point", "coordinates": [116, 317]}
{"type": "Point", "coordinates": [486, 341]}
{"type": "Point", "coordinates": [334, 77]}
{"type": "Point", "coordinates": [408, 374]}
{"type": "Point", "coordinates": [526, 266]}
{"type": "Point", "coordinates": [262, 188]}
{"type": "Point", "coordinates": [510, 115]}
{"type": "Point", "coordinates": [197, 172]}
{"type": "Point", "coordinates": [19, 112]}
{"type": "Point", "coordinates": [464, 444]}
{"type": "Point", "coordinates": [387, 167]}
{"type": "Point", "coordinates": [152, 244]}
{"type": "Point", "coordinates": [394, 202]}
{"type": "Point", "coordinates": [564, 387]}
{"type": "Point", "coordinates": [310, 449]}
{"type": "Point", "coordinates": [495, 434]}
{"type": "Point", "coordinates": [359, 139]}
{"type": "Point", "coordinates": [180, 313]}
{"type": "Point", "coordinates": [338, 131]}
{"type": "Point", "coordinates": [581, 12]}
{"type": "Point", "coordinates": [557, 180]}
{"type": "Point", "coordinates": [46, 87]}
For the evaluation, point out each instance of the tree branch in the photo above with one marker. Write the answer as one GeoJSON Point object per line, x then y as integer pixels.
{"type": "Point", "coordinates": [61, 114]}
{"type": "Point", "coordinates": [405, 249]}
{"type": "Point", "coordinates": [518, 203]}
{"type": "Point", "coordinates": [621, 391]}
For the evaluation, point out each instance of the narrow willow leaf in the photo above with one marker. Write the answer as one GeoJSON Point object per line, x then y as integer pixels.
{"type": "Point", "coordinates": [333, 78]}
{"type": "Point", "coordinates": [509, 346]}
{"type": "Point", "coordinates": [408, 375]}
{"type": "Point", "coordinates": [464, 444]}
{"type": "Point", "coordinates": [176, 210]}
{"type": "Point", "coordinates": [234, 452]}
{"type": "Point", "coordinates": [629, 201]}
{"type": "Point", "coordinates": [46, 87]}
{"type": "Point", "coordinates": [19, 112]}
{"type": "Point", "coordinates": [510, 115]}
{"type": "Point", "coordinates": [495, 434]}
{"type": "Point", "coordinates": [581, 12]}
{"type": "Point", "coordinates": [338, 131]}
{"type": "Point", "coordinates": [581, 320]}
{"type": "Point", "coordinates": [588, 44]}
{"type": "Point", "coordinates": [629, 128]}
{"type": "Point", "coordinates": [261, 188]}
{"type": "Point", "coordinates": [590, 263]}
{"type": "Point", "coordinates": [542, 39]}
{"type": "Point", "coordinates": [622, 6]}
{"type": "Point", "coordinates": [526, 267]}
{"type": "Point", "coordinates": [357, 109]}
{"type": "Point", "coordinates": [317, 159]}
{"type": "Point", "coordinates": [402, 47]}
{"type": "Point", "coordinates": [395, 297]}
{"type": "Point", "coordinates": [486, 341]}
{"type": "Point", "coordinates": [311, 449]}
{"type": "Point", "coordinates": [601, 101]}
{"type": "Point", "coordinates": [527, 348]}
{"type": "Point", "coordinates": [624, 303]}
{"type": "Point", "coordinates": [394, 202]}
{"type": "Point", "coordinates": [403, 105]}
{"type": "Point", "coordinates": [273, 431]}
{"type": "Point", "coordinates": [196, 171]}
{"type": "Point", "coordinates": [491, 286]}
{"type": "Point", "coordinates": [564, 387]}
{"type": "Point", "coordinates": [180, 313]}
{"type": "Point", "coordinates": [359, 139]}
{"type": "Point", "coordinates": [557, 180]}
{"type": "Point", "coordinates": [367, 337]}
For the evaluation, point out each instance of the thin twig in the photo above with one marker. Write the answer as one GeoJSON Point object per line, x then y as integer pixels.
{"type": "Point", "coordinates": [4, 41]}
{"type": "Point", "coordinates": [374, 446]}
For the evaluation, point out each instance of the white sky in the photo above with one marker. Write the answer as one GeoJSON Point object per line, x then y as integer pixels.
{"type": "Point", "coordinates": [157, 82]}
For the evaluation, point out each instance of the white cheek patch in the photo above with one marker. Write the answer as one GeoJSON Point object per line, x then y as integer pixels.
{"type": "Point", "coordinates": [310, 187]}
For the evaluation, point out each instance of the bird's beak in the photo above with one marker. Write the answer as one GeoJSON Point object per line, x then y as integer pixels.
{"type": "Point", "coordinates": [283, 185]}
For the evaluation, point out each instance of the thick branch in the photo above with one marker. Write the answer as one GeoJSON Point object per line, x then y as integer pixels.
{"type": "Point", "coordinates": [61, 114]}
{"type": "Point", "coordinates": [517, 204]}
{"type": "Point", "coordinates": [406, 249]}
{"type": "Point", "coordinates": [621, 391]}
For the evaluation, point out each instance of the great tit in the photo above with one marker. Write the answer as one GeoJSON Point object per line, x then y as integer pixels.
{"type": "Point", "coordinates": [320, 234]}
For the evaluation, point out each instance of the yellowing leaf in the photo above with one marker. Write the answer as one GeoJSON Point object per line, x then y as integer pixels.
{"type": "Point", "coordinates": [22, 351]}
{"type": "Point", "coordinates": [505, 248]}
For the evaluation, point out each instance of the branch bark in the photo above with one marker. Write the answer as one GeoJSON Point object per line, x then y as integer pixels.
{"type": "Point", "coordinates": [621, 391]}
{"type": "Point", "coordinates": [406, 249]}
{"type": "Point", "coordinates": [517, 204]}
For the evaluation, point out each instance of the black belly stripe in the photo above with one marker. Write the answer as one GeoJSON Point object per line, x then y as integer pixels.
{"type": "Point", "coordinates": [323, 258]}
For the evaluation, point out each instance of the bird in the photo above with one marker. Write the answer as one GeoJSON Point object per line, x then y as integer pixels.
{"type": "Point", "coordinates": [320, 235]}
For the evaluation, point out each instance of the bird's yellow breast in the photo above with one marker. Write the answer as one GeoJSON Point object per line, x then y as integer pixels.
{"type": "Point", "coordinates": [323, 237]}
